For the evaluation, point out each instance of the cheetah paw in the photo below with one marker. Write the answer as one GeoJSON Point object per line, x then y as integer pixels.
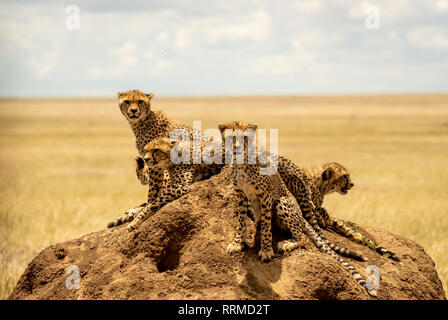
{"type": "Point", "coordinates": [266, 254]}
{"type": "Point", "coordinates": [287, 245]}
{"type": "Point", "coordinates": [132, 226]}
{"type": "Point", "coordinates": [234, 247]}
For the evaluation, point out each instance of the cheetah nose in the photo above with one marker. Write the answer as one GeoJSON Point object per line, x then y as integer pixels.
{"type": "Point", "coordinates": [133, 110]}
{"type": "Point", "coordinates": [352, 184]}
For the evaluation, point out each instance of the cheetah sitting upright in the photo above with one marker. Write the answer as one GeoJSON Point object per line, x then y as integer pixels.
{"type": "Point", "coordinates": [311, 185]}
{"type": "Point", "coordinates": [265, 199]}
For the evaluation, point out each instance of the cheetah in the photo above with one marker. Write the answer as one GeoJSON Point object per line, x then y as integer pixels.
{"type": "Point", "coordinates": [266, 200]}
{"type": "Point", "coordinates": [167, 181]}
{"type": "Point", "coordinates": [310, 185]}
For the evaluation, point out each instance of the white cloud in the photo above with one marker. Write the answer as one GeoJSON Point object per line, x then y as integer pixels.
{"type": "Point", "coordinates": [429, 37]}
{"type": "Point", "coordinates": [125, 58]}
{"type": "Point", "coordinates": [314, 38]}
{"type": "Point", "coordinates": [308, 6]}
{"type": "Point", "coordinates": [360, 10]}
{"type": "Point", "coordinates": [45, 62]}
{"type": "Point", "coordinates": [226, 29]}
{"type": "Point", "coordinates": [299, 60]}
{"type": "Point", "coordinates": [442, 5]}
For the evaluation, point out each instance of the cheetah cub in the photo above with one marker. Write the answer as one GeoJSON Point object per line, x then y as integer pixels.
{"type": "Point", "coordinates": [167, 181]}
{"type": "Point", "coordinates": [334, 177]}
{"type": "Point", "coordinates": [266, 199]}
{"type": "Point", "coordinates": [258, 196]}
{"type": "Point", "coordinates": [310, 186]}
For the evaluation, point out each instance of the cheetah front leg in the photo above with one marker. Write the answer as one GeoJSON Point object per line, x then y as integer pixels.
{"type": "Point", "coordinates": [166, 197]}
{"type": "Point", "coordinates": [170, 192]}
{"type": "Point", "coordinates": [286, 213]}
{"type": "Point", "coordinates": [127, 216]}
{"type": "Point", "coordinates": [308, 208]}
{"type": "Point", "coordinates": [147, 176]}
{"type": "Point", "coordinates": [239, 241]}
{"type": "Point", "coordinates": [266, 252]}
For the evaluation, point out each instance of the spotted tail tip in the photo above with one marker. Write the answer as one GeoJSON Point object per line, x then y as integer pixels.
{"type": "Point", "coordinates": [361, 257]}
{"type": "Point", "coordinates": [373, 292]}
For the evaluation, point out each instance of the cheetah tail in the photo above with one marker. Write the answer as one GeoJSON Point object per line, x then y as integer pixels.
{"type": "Point", "coordinates": [119, 221]}
{"type": "Point", "coordinates": [340, 227]}
{"type": "Point", "coordinates": [344, 251]}
{"type": "Point", "coordinates": [381, 250]}
{"type": "Point", "coordinates": [340, 250]}
{"type": "Point", "coordinates": [324, 248]}
{"type": "Point", "coordinates": [386, 253]}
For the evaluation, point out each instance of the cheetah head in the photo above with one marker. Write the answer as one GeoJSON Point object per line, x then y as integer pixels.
{"type": "Point", "coordinates": [157, 152]}
{"type": "Point", "coordinates": [239, 131]}
{"type": "Point", "coordinates": [135, 105]}
{"type": "Point", "coordinates": [336, 178]}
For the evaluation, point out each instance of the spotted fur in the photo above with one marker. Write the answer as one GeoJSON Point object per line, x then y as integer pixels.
{"type": "Point", "coordinates": [329, 178]}
{"type": "Point", "coordinates": [266, 199]}
{"type": "Point", "coordinates": [149, 124]}
{"type": "Point", "coordinates": [167, 181]}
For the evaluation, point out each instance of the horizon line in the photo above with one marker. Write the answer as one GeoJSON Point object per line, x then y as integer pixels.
{"type": "Point", "coordinates": [192, 96]}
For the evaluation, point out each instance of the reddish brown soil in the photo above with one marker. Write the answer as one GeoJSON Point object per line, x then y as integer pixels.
{"type": "Point", "coordinates": [179, 253]}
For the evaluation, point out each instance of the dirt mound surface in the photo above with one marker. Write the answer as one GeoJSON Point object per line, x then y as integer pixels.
{"type": "Point", "coordinates": [179, 253]}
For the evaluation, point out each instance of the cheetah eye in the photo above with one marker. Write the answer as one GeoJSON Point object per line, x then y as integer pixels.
{"type": "Point", "coordinates": [126, 102]}
{"type": "Point", "coordinates": [140, 101]}
{"type": "Point", "coordinates": [155, 153]}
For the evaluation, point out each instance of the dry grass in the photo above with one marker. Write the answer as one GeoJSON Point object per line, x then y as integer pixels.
{"type": "Point", "coordinates": [66, 165]}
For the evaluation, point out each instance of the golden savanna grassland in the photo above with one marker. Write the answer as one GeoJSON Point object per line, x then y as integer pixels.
{"type": "Point", "coordinates": [66, 164]}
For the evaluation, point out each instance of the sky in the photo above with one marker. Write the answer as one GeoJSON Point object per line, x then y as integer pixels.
{"type": "Point", "coordinates": [252, 47]}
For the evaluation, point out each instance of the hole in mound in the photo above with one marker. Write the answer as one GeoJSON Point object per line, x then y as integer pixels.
{"type": "Point", "coordinates": [324, 294]}
{"type": "Point", "coordinates": [169, 259]}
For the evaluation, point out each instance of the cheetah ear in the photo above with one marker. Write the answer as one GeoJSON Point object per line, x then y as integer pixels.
{"type": "Point", "coordinates": [140, 163]}
{"type": "Point", "coordinates": [253, 126]}
{"type": "Point", "coordinates": [222, 127]}
{"type": "Point", "coordinates": [119, 94]}
{"type": "Point", "coordinates": [327, 174]}
{"type": "Point", "coordinates": [150, 95]}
